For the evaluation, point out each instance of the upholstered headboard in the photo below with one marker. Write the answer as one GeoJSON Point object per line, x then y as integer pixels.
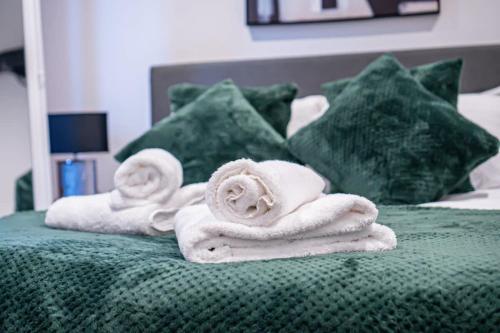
{"type": "Point", "coordinates": [481, 71]}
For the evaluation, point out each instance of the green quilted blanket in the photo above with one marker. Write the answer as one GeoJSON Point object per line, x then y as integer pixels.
{"type": "Point", "coordinates": [444, 276]}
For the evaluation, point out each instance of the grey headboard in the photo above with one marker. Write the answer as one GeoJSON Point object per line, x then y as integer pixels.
{"type": "Point", "coordinates": [481, 71]}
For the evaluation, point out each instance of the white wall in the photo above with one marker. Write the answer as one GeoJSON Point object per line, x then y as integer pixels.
{"type": "Point", "coordinates": [14, 117]}
{"type": "Point", "coordinates": [99, 52]}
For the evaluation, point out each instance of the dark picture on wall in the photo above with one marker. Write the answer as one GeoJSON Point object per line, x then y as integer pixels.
{"type": "Point", "coordinates": [266, 12]}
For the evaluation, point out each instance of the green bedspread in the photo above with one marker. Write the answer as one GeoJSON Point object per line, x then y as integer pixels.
{"type": "Point", "coordinates": [444, 276]}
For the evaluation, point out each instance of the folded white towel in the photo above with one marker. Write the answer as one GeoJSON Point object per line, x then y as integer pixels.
{"type": "Point", "coordinates": [256, 194]}
{"type": "Point", "coordinates": [147, 197]}
{"type": "Point", "coordinates": [162, 219]}
{"type": "Point", "coordinates": [150, 176]}
{"type": "Point", "coordinates": [333, 223]}
{"type": "Point", "coordinates": [304, 111]}
{"type": "Point", "coordinates": [93, 213]}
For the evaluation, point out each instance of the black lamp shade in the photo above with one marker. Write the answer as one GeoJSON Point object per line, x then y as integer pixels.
{"type": "Point", "coordinates": [78, 132]}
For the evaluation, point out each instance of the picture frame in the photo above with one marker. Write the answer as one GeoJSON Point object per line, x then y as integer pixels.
{"type": "Point", "coordinates": [284, 12]}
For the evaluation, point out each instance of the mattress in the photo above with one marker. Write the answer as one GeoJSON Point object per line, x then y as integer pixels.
{"type": "Point", "coordinates": [443, 276]}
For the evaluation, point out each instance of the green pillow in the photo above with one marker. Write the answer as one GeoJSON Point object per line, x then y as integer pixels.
{"type": "Point", "coordinates": [218, 127]}
{"type": "Point", "coordinates": [441, 78]}
{"type": "Point", "coordinates": [271, 102]}
{"type": "Point", "coordinates": [24, 192]}
{"type": "Point", "coordinates": [388, 138]}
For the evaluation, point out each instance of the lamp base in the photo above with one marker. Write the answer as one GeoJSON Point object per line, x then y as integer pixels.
{"type": "Point", "coordinates": [76, 177]}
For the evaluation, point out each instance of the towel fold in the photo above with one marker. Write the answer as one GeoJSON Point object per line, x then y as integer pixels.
{"type": "Point", "coordinates": [93, 213]}
{"type": "Point", "coordinates": [256, 194]}
{"type": "Point", "coordinates": [150, 176]}
{"type": "Point", "coordinates": [162, 219]}
{"type": "Point", "coordinates": [147, 196]}
{"type": "Point", "coordinates": [332, 223]}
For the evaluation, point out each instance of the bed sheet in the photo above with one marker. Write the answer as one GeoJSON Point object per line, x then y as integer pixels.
{"type": "Point", "coordinates": [443, 276]}
{"type": "Point", "coordinates": [480, 199]}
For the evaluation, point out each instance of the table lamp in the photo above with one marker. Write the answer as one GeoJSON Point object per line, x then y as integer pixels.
{"type": "Point", "coordinates": [77, 133]}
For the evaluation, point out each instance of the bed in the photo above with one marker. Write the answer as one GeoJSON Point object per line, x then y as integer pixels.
{"type": "Point", "coordinates": [443, 276]}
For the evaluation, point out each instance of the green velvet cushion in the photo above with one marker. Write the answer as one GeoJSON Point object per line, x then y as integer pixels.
{"type": "Point", "coordinates": [24, 192]}
{"type": "Point", "coordinates": [271, 102]}
{"type": "Point", "coordinates": [388, 138]}
{"type": "Point", "coordinates": [441, 78]}
{"type": "Point", "coordinates": [218, 127]}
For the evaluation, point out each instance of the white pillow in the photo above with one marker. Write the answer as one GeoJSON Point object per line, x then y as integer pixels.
{"type": "Point", "coordinates": [494, 91]}
{"type": "Point", "coordinates": [304, 111]}
{"type": "Point", "coordinates": [484, 110]}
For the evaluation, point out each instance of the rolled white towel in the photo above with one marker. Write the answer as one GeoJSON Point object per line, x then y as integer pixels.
{"type": "Point", "coordinates": [333, 223]}
{"type": "Point", "coordinates": [257, 194]}
{"type": "Point", "coordinates": [150, 176]}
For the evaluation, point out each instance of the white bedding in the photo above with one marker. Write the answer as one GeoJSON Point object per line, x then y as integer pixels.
{"type": "Point", "coordinates": [480, 199]}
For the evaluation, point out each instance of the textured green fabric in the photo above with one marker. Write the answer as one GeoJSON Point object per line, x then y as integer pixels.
{"type": "Point", "coordinates": [388, 138]}
{"type": "Point", "coordinates": [24, 192]}
{"type": "Point", "coordinates": [218, 127]}
{"type": "Point", "coordinates": [441, 78]}
{"type": "Point", "coordinates": [444, 276]}
{"type": "Point", "coordinates": [273, 103]}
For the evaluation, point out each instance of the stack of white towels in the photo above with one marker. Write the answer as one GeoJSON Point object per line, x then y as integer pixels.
{"type": "Point", "coordinates": [247, 211]}
{"type": "Point", "coordinates": [147, 195]}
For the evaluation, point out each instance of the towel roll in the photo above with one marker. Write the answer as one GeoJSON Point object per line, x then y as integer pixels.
{"type": "Point", "coordinates": [256, 194]}
{"type": "Point", "coordinates": [150, 176]}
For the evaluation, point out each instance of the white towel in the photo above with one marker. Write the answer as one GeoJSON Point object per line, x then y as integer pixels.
{"type": "Point", "coordinates": [93, 213]}
{"type": "Point", "coordinates": [257, 194]}
{"type": "Point", "coordinates": [333, 223]}
{"type": "Point", "coordinates": [304, 111]}
{"type": "Point", "coordinates": [150, 176]}
{"type": "Point", "coordinates": [147, 197]}
{"type": "Point", "coordinates": [162, 219]}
